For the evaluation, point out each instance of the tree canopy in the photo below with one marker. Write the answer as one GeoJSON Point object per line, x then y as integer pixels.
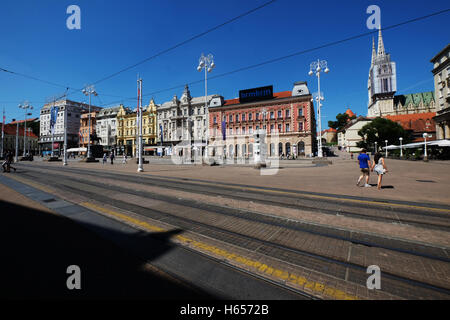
{"type": "Point", "coordinates": [341, 120]}
{"type": "Point", "coordinates": [381, 129]}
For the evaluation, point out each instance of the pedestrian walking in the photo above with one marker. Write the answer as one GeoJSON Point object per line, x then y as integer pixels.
{"type": "Point", "coordinates": [124, 161]}
{"type": "Point", "coordinates": [104, 158]}
{"type": "Point", "coordinates": [364, 165]}
{"type": "Point", "coordinates": [379, 166]}
{"type": "Point", "coordinates": [112, 157]}
{"type": "Point", "coordinates": [5, 162]}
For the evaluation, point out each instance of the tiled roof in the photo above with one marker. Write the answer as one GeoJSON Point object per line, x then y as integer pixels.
{"type": "Point", "coordinates": [350, 113]}
{"type": "Point", "coordinates": [22, 121]}
{"type": "Point", "coordinates": [414, 98]}
{"type": "Point", "coordinates": [416, 121]}
{"type": "Point", "coordinates": [276, 95]}
{"type": "Point", "coordinates": [10, 129]}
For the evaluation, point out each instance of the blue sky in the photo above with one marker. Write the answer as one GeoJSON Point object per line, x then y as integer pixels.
{"type": "Point", "coordinates": [116, 34]}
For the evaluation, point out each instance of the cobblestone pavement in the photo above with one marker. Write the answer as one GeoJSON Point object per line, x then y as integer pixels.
{"type": "Point", "coordinates": [318, 243]}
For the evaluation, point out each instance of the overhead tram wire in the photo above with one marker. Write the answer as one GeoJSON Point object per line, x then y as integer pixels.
{"type": "Point", "coordinates": [329, 44]}
{"type": "Point", "coordinates": [180, 44]}
{"type": "Point", "coordinates": [186, 41]}
{"type": "Point", "coordinates": [48, 82]}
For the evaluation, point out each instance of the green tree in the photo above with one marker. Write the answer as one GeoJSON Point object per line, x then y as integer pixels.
{"type": "Point", "coordinates": [381, 129]}
{"type": "Point", "coordinates": [341, 120]}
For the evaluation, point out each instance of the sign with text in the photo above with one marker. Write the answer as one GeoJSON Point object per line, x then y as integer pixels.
{"type": "Point", "coordinates": [256, 94]}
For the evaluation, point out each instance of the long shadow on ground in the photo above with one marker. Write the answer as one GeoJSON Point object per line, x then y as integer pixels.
{"type": "Point", "coordinates": [37, 247]}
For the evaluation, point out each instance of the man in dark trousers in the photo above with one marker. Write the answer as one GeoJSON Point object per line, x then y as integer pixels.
{"type": "Point", "coordinates": [7, 163]}
{"type": "Point", "coordinates": [364, 165]}
{"type": "Point", "coordinates": [112, 157]}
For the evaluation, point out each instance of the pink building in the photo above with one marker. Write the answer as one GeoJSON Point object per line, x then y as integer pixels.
{"type": "Point", "coordinates": [287, 118]}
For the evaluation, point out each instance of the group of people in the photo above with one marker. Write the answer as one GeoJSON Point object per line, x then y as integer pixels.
{"type": "Point", "coordinates": [6, 165]}
{"type": "Point", "coordinates": [365, 165]}
{"type": "Point", "coordinates": [111, 156]}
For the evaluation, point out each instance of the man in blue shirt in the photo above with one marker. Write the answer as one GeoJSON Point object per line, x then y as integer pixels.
{"type": "Point", "coordinates": [364, 165]}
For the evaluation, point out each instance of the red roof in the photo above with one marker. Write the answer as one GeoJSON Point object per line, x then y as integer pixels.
{"type": "Point", "coordinates": [22, 121]}
{"type": "Point", "coordinates": [418, 122]}
{"type": "Point", "coordinates": [276, 95]}
{"type": "Point", "coordinates": [10, 129]}
{"type": "Point", "coordinates": [350, 113]}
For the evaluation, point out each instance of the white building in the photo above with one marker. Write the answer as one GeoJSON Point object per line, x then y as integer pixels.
{"type": "Point", "coordinates": [74, 110]}
{"type": "Point", "coordinates": [441, 72]}
{"type": "Point", "coordinates": [348, 137]}
{"type": "Point", "coordinates": [106, 127]}
{"type": "Point", "coordinates": [183, 120]}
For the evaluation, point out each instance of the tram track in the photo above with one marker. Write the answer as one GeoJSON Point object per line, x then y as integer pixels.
{"type": "Point", "coordinates": [337, 268]}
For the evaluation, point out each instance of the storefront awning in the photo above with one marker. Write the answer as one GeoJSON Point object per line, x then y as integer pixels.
{"type": "Point", "coordinates": [77, 150]}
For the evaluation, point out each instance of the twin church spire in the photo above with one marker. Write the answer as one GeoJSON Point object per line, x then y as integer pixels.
{"type": "Point", "coordinates": [382, 82]}
{"type": "Point", "coordinates": [381, 51]}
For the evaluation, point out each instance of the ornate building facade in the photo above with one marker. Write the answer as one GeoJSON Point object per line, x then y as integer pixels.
{"type": "Point", "coordinates": [287, 117]}
{"type": "Point", "coordinates": [182, 122]}
{"type": "Point", "coordinates": [127, 129]}
{"type": "Point", "coordinates": [107, 127]}
{"type": "Point", "coordinates": [441, 72]}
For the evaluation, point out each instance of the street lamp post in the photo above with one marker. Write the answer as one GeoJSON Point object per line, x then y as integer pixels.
{"type": "Point", "coordinates": [376, 149]}
{"type": "Point", "coordinates": [425, 136]}
{"type": "Point", "coordinates": [25, 107]}
{"type": "Point", "coordinates": [17, 141]}
{"type": "Point", "coordinates": [317, 67]}
{"type": "Point", "coordinates": [207, 63]}
{"type": "Point", "coordinates": [139, 114]}
{"type": "Point", "coordinates": [65, 136]}
{"type": "Point", "coordinates": [386, 142]}
{"type": "Point", "coordinates": [87, 91]}
{"type": "Point", "coordinates": [401, 147]}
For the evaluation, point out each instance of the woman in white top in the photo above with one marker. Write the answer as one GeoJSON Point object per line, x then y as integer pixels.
{"type": "Point", "coordinates": [379, 167]}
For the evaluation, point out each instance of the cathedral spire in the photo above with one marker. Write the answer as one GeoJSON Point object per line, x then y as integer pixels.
{"type": "Point", "coordinates": [381, 51]}
{"type": "Point", "coordinates": [374, 53]}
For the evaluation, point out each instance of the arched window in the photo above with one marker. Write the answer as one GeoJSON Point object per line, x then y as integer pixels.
{"type": "Point", "coordinates": [301, 148]}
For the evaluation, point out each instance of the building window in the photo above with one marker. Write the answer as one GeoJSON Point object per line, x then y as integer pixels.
{"type": "Point", "coordinates": [257, 116]}
{"type": "Point", "coordinates": [300, 126]}
{"type": "Point", "coordinates": [215, 120]}
{"type": "Point", "coordinates": [243, 130]}
{"type": "Point", "coordinates": [243, 117]}
{"type": "Point", "coordinates": [272, 116]}
{"type": "Point", "coordinates": [257, 127]}
{"type": "Point", "coordinates": [287, 127]}
{"type": "Point", "coordinates": [279, 128]}
{"type": "Point", "coordinates": [271, 128]}
{"type": "Point", "coordinates": [231, 118]}
{"type": "Point", "coordinates": [250, 116]}
{"type": "Point", "coordinates": [237, 118]}
{"type": "Point", "coordinates": [288, 113]}
{"type": "Point", "coordinates": [279, 114]}
{"type": "Point", "coordinates": [300, 112]}
{"type": "Point", "coordinates": [250, 130]}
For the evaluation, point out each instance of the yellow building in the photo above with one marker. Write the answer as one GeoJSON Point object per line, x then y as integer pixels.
{"type": "Point", "coordinates": [127, 130]}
